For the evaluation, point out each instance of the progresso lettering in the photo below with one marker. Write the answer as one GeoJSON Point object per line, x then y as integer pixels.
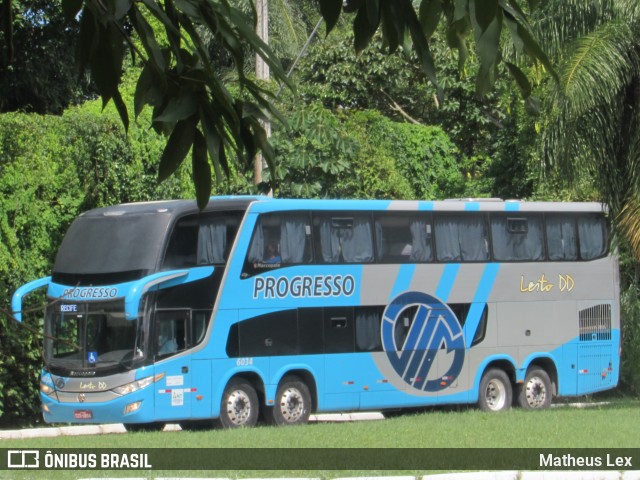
{"type": "Point", "coordinates": [304, 286]}
{"type": "Point", "coordinates": [91, 292]}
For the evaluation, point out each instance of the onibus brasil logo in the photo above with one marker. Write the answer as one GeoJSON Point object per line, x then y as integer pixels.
{"type": "Point", "coordinates": [416, 329]}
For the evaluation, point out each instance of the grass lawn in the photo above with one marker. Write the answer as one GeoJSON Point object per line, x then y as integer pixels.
{"type": "Point", "coordinates": [614, 425]}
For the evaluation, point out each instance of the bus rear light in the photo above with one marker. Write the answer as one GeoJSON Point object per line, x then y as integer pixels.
{"type": "Point", "coordinates": [132, 407]}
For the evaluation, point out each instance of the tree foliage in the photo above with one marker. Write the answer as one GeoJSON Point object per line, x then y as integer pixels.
{"type": "Point", "coordinates": [43, 77]}
{"type": "Point", "coordinates": [494, 134]}
{"type": "Point", "coordinates": [195, 108]}
{"type": "Point", "coordinates": [52, 169]}
{"type": "Point", "coordinates": [363, 154]}
{"type": "Point", "coordinates": [593, 116]}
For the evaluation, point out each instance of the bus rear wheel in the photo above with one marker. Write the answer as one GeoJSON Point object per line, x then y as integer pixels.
{"type": "Point", "coordinates": [535, 392]}
{"type": "Point", "coordinates": [293, 403]}
{"type": "Point", "coordinates": [495, 391]}
{"type": "Point", "coordinates": [239, 406]}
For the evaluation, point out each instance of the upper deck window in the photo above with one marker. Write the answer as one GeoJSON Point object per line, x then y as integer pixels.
{"type": "Point", "coordinates": [517, 238]}
{"type": "Point", "coordinates": [562, 238]}
{"type": "Point", "coordinates": [200, 240]}
{"type": "Point", "coordinates": [461, 238]}
{"type": "Point", "coordinates": [403, 238]}
{"type": "Point", "coordinates": [280, 239]}
{"type": "Point", "coordinates": [344, 238]}
{"type": "Point", "coordinates": [592, 232]}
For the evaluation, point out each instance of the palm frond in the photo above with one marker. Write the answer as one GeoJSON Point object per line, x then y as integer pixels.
{"type": "Point", "coordinates": [557, 23]}
{"type": "Point", "coordinates": [598, 67]}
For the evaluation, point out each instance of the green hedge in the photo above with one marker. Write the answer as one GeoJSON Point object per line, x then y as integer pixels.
{"type": "Point", "coordinates": [51, 169]}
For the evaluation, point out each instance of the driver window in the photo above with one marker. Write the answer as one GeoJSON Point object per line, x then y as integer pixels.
{"type": "Point", "coordinates": [171, 332]}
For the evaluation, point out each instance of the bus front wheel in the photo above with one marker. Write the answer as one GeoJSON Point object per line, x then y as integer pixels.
{"type": "Point", "coordinates": [495, 391]}
{"type": "Point", "coordinates": [293, 403]}
{"type": "Point", "coordinates": [144, 427]}
{"type": "Point", "coordinates": [535, 392]}
{"type": "Point", "coordinates": [239, 406]}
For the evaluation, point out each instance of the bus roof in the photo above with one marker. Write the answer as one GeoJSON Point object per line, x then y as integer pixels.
{"type": "Point", "coordinates": [266, 204]}
{"type": "Point", "coordinates": [261, 204]}
{"type": "Point", "coordinates": [174, 207]}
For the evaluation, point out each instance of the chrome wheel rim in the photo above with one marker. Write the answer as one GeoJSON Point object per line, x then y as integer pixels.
{"type": "Point", "coordinates": [238, 407]}
{"type": "Point", "coordinates": [535, 392]}
{"type": "Point", "coordinates": [292, 405]}
{"type": "Point", "coordinates": [495, 395]}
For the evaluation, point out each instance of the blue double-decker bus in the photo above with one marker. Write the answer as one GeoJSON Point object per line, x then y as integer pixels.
{"type": "Point", "coordinates": [257, 308]}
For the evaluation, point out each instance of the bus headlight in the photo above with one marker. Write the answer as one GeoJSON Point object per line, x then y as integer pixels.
{"type": "Point", "coordinates": [137, 385]}
{"type": "Point", "coordinates": [46, 389]}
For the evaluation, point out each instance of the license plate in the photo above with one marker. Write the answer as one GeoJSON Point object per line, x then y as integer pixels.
{"type": "Point", "coordinates": [83, 414]}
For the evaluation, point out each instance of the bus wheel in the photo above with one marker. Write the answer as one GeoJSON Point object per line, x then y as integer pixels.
{"type": "Point", "coordinates": [144, 427]}
{"type": "Point", "coordinates": [239, 407]}
{"type": "Point", "coordinates": [197, 425]}
{"type": "Point", "coordinates": [535, 392]}
{"type": "Point", "coordinates": [293, 403]}
{"type": "Point", "coordinates": [495, 391]}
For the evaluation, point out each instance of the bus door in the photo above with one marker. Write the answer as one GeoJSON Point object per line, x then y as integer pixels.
{"type": "Point", "coordinates": [173, 394]}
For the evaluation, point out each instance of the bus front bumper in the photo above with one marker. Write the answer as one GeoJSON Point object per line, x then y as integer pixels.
{"type": "Point", "coordinates": [136, 407]}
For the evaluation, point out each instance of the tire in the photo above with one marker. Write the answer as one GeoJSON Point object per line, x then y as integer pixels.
{"type": "Point", "coordinates": [197, 425]}
{"type": "Point", "coordinates": [293, 403]}
{"type": "Point", "coordinates": [239, 406]}
{"type": "Point", "coordinates": [496, 393]}
{"type": "Point", "coordinates": [535, 393]}
{"type": "Point", "coordinates": [394, 413]}
{"type": "Point", "coordinates": [144, 427]}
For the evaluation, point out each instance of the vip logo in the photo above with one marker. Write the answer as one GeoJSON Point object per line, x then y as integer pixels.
{"type": "Point", "coordinates": [417, 331]}
{"type": "Point", "coordinates": [23, 459]}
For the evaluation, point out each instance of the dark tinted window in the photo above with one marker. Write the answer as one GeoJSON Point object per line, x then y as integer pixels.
{"type": "Point", "coordinates": [199, 323]}
{"type": "Point", "coordinates": [171, 332]}
{"type": "Point", "coordinates": [308, 331]}
{"type": "Point", "coordinates": [200, 240]}
{"type": "Point", "coordinates": [311, 330]}
{"type": "Point", "coordinates": [461, 238]}
{"type": "Point", "coordinates": [338, 330]}
{"type": "Point", "coordinates": [517, 238]}
{"type": "Point", "coordinates": [562, 237]}
{"type": "Point", "coordinates": [268, 335]}
{"type": "Point", "coordinates": [593, 235]}
{"type": "Point", "coordinates": [368, 320]}
{"type": "Point", "coordinates": [403, 238]}
{"type": "Point", "coordinates": [113, 243]}
{"type": "Point", "coordinates": [343, 238]}
{"type": "Point", "coordinates": [281, 238]}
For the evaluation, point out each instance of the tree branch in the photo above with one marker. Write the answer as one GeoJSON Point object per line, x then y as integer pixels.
{"type": "Point", "coordinates": [396, 107]}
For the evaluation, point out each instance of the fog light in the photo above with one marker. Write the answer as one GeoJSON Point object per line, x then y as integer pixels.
{"type": "Point", "coordinates": [132, 407]}
{"type": "Point", "coordinates": [45, 408]}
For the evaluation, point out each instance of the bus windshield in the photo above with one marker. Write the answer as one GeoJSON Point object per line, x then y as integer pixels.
{"type": "Point", "coordinates": [91, 335]}
{"type": "Point", "coordinates": [93, 244]}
